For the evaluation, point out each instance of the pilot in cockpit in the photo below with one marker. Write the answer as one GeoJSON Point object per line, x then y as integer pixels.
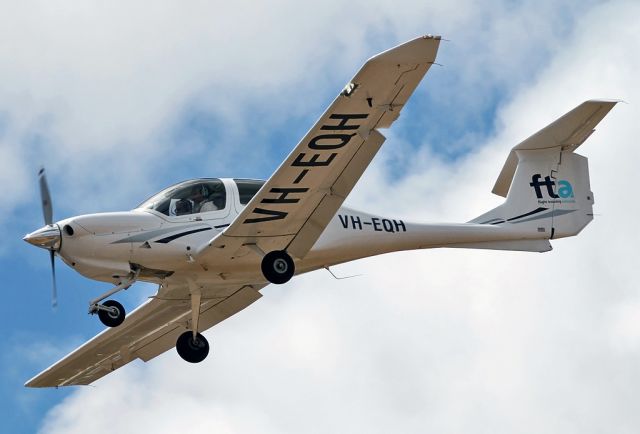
{"type": "Point", "coordinates": [198, 201]}
{"type": "Point", "coordinates": [204, 200]}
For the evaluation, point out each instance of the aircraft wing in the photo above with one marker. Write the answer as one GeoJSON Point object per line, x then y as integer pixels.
{"type": "Point", "coordinates": [147, 332]}
{"type": "Point", "coordinates": [294, 206]}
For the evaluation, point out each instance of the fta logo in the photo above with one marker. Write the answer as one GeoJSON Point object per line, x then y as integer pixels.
{"type": "Point", "coordinates": [565, 190]}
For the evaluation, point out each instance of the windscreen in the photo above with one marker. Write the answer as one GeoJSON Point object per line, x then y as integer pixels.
{"type": "Point", "coordinates": [189, 197]}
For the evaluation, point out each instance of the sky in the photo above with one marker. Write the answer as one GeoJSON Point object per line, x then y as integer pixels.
{"type": "Point", "coordinates": [120, 99]}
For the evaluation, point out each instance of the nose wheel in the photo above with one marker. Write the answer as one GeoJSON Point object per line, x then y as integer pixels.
{"type": "Point", "coordinates": [278, 267]}
{"type": "Point", "coordinates": [192, 348]}
{"type": "Point", "coordinates": [111, 313]}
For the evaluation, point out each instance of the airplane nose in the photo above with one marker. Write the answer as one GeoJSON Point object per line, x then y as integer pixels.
{"type": "Point", "coordinates": [47, 237]}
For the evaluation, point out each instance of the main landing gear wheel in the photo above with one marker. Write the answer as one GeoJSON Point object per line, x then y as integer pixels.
{"type": "Point", "coordinates": [114, 315]}
{"type": "Point", "coordinates": [190, 349]}
{"type": "Point", "coordinates": [278, 267]}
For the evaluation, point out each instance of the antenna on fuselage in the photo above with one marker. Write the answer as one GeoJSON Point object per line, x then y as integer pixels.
{"type": "Point", "coordinates": [340, 278]}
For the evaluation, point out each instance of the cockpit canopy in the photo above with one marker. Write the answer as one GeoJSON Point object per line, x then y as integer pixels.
{"type": "Point", "coordinates": [200, 195]}
{"type": "Point", "coordinates": [189, 197]}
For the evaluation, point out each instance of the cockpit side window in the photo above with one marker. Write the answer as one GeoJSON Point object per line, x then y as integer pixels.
{"type": "Point", "coordinates": [247, 188]}
{"type": "Point", "coordinates": [189, 197]}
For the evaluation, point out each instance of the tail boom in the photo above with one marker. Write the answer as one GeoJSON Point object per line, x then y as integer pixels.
{"type": "Point", "coordinates": [548, 196]}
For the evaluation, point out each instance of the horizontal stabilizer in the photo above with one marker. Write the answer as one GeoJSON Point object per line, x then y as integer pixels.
{"type": "Point", "coordinates": [567, 132]}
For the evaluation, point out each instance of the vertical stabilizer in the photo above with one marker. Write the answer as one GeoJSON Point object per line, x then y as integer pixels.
{"type": "Point", "coordinates": [546, 184]}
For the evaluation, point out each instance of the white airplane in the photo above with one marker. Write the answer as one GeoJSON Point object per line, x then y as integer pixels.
{"type": "Point", "coordinates": [211, 245]}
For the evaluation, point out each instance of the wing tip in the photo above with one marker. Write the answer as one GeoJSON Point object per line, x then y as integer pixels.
{"type": "Point", "coordinates": [417, 50]}
{"type": "Point", "coordinates": [612, 101]}
{"type": "Point", "coordinates": [607, 103]}
{"type": "Point", "coordinates": [33, 384]}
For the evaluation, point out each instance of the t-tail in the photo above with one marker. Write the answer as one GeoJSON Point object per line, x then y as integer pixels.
{"type": "Point", "coordinates": [546, 184]}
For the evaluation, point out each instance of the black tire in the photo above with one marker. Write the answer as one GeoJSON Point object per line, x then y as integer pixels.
{"type": "Point", "coordinates": [192, 351]}
{"type": "Point", "coordinates": [278, 267]}
{"type": "Point", "coordinates": [112, 319]}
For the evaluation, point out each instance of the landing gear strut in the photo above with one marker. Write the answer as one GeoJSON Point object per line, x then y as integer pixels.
{"type": "Point", "coordinates": [278, 267]}
{"type": "Point", "coordinates": [191, 345]}
{"type": "Point", "coordinates": [112, 313]}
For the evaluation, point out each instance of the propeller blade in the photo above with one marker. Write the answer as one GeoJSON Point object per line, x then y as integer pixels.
{"type": "Point", "coordinates": [47, 207]}
{"type": "Point", "coordinates": [54, 294]}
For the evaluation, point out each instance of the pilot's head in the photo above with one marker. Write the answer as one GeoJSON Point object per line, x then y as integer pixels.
{"type": "Point", "coordinates": [199, 192]}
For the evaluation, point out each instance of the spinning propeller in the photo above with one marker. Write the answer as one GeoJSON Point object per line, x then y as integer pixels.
{"type": "Point", "coordinates": [47, 237]}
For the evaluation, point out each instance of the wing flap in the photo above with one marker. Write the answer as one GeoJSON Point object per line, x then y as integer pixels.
{"type": "Point", "coordinates": [210, 315]}
{"type": "Point", "coordinates": [318, 220]}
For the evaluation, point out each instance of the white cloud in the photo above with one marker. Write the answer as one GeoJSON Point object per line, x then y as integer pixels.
{"type": "Point", "coordinates": [442, 341]}
{"type": "Point", "coordinates": [106, 85]}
